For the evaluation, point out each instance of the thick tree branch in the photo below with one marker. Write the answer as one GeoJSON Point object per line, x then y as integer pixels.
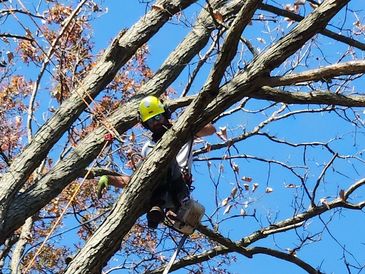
{"type": "Point", "coordinates": [118, 53]}
{"type": "Point", "coordinates": [321, 74]}
{"type": "Point", "coordinates": [227, 246]}
{"type": "Point", "coordinates": [319, 97]}
{"type": "Point", "coordinates": [130, 206]}
{"type": "Point", "coordinates": [24, 238]}
{"type": "Point", "coordinates": [230, 45]}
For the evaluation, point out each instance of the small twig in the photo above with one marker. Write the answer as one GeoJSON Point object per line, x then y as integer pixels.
{"type": "Point", "coordinates": [320, 178]}
{"type": "Point", "coordinates": [16, 36]}
{"type": "Point", "coordinates": [12, 11]}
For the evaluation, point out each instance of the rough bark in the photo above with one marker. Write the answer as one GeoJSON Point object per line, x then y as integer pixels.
{"type": "Point", "coordinates": [319, 97]}
{"type": "Point", "coordinates": [107, 239]}
{"type": "Point", "coordinates": [118, 53]}
{"type": "Point", "coordinates": [29, 202]}
{"type": "Point", "coordinates": [24, 238]}
{"type": "Point", "coordinates": [321, 74]}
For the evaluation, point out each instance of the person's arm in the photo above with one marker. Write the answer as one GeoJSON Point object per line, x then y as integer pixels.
{"type": "Point", "coordinates": [207, 130]}
{"type": "Point", "coordinates": [117, 181]}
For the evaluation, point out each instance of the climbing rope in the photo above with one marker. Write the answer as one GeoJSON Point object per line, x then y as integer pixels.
{"type": "Point", "coordinates": [112, 133]}
{"type": "Point", "coordinates": [30, 264]}
{"type": "Point", "coordinates": [173, 258]}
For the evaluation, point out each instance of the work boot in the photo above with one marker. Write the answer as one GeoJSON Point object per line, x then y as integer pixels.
{"type": "Point", "coordinates": [154, 217]}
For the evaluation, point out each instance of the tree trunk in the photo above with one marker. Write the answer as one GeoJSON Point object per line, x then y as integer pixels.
{"type": "Point", "coordinates": [107, 239]}
{"type": "Point", "coordinates": [119, 52]}
{"type": "Point", "coordinates": [29, 202]}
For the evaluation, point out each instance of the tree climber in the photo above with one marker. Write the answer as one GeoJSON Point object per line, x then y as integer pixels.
{"type": "Point", "coordinates": [174, 190]}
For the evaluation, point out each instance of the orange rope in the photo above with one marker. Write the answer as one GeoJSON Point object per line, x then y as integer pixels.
{"type": "Point", "coordinates": [63, 212]}
{"type": "Point", "coordinates": [108, 126]}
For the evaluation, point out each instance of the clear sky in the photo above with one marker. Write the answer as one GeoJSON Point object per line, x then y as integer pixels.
{"type": "Point", "coordinates": [277, 205]}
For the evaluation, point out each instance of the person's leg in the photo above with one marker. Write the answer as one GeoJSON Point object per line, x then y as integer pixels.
{"type": "Point", "coordinates": [156, 213]}
{"type": "Point", "coordinates": [179, 191]}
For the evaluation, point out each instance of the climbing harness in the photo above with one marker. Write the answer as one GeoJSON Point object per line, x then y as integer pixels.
{"type": "Point", "coordinates": [30, 264]}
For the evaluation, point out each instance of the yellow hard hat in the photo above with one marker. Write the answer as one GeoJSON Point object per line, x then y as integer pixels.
{"type": "Point", "coordinates": [149, 107]}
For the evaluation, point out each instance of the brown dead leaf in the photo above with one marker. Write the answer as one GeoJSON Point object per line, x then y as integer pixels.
{"type": "Point", "coordinates": [313, 6]}
{"type": "Point", "coordinates": [218, 16]}
{"type": "Point", "coordinates": [225, 201]}
{"type": "Point", "coordinates": [324, 202]}
{"type": "Point", "coordinates": [235, 168]}
{"type": "Point", "coordinates": [268, 190]}
{"type": "Point", "coordinates": [132, 137]}
{"type": "Point", "coordinates": [246, 179]}
{"type": "Point", "coordinates": [234, 192]}
{"type": "Point", "coordinates": [254, 187]}
{"type": "Point", "coordinates": [299, 2]}
{"type": "Point", "coordinates": [10, 56]}
{"type": "Point", "coordinates": [228, 209]}
{"type": "Point", "coordinates": [222, 134]}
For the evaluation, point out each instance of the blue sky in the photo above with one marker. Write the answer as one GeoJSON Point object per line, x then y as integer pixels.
{"type": "Point", "coordinates": [300, 128]}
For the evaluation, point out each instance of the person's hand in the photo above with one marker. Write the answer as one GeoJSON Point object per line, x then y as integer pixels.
{"type": "Point", "coordinates": [103, 183]}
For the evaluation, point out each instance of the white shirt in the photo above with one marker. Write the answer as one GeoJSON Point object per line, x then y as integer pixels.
{"type": "Point", "coordinates": [184, 158]}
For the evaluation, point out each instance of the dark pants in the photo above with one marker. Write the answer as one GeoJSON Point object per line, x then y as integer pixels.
{"type": "Point", "coordinates": [175, 189]}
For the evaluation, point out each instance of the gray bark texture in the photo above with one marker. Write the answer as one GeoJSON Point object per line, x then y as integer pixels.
{"type": "Point", "coordinates": [118, 53]}
{"type": "Point", "coordinates": [254, 82]}
{"type": "Point", "coordinates": [29, 202]}
{"type": "Point", "coordinates": [207, 105]}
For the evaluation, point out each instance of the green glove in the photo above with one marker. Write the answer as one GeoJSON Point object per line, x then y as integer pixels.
{"type": "Point", "coordinates": [103, 183]}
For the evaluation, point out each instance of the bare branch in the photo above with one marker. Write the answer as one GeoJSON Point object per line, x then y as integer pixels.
{"type": "Point", "coordinates": [319, 97]}
{"type": "Point", "coordinates": [11, 11]}
{"type": "Point", "coordinates": [15, 36]}
{"type": "Point", "coordinates": [320, 178]}
{"type": "Point", "coordinates": [286, 257]}
{"type": "Point", "coordinates": [324, 73]}
{"type": "Point", "coordinates": [298, 18]}
{"type": "Point", "coordinates": [353, 187]}
{"type": "Point", "coordinates": [47, 59]}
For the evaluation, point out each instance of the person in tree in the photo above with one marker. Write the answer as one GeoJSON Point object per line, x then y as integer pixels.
{"type": "Point", "coordinates": [174, 190]}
